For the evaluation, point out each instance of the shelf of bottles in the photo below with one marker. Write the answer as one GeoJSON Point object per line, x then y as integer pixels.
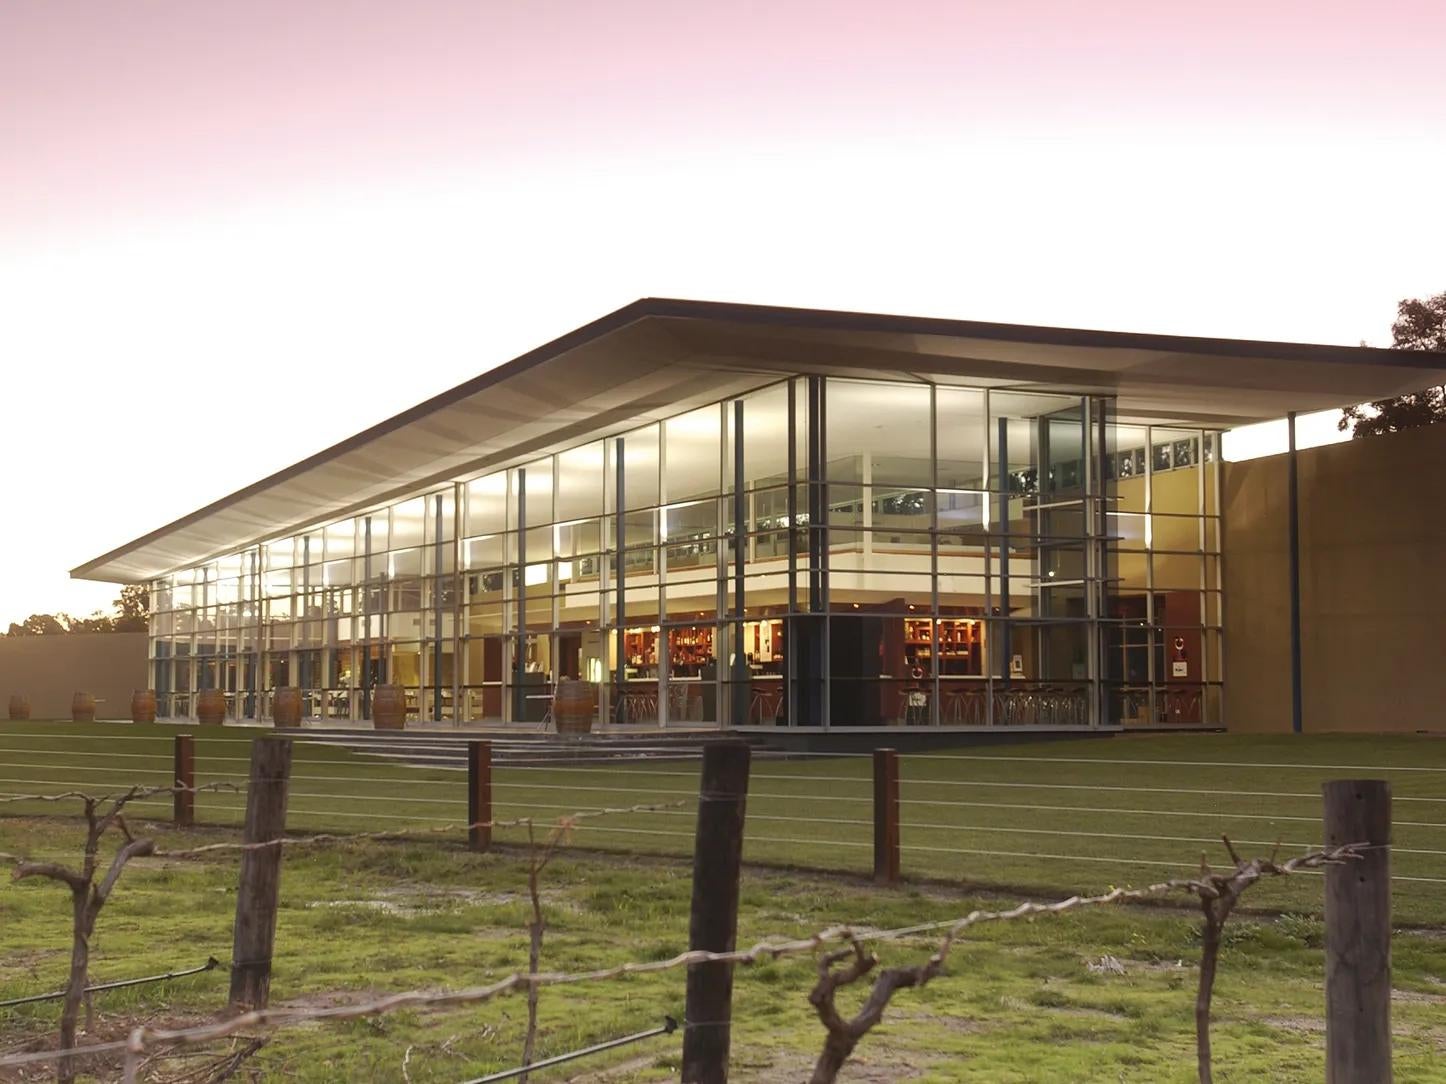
{"type": "Point", "coordinates": [960, 646]}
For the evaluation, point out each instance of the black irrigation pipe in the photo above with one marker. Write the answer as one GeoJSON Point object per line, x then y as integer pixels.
{"type": "Point", "coordinates": [210, 965]}
{"type": "Point", "coordinates": [668, 1026]}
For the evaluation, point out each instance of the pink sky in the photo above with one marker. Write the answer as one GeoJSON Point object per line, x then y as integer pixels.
{"type": "Point", "coordinates": [122, 108]}
{"type": "Point", "coordinates": [252, 227]}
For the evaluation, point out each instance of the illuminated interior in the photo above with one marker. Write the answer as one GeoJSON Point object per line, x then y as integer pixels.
{"type": "Point", "coordinates": [817, 551]}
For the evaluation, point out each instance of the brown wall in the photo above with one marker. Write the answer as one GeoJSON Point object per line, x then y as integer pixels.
{"type": "Point", "coordinates": [1373, 591]}
{"type": "Point", "coordinates": [49, 670]}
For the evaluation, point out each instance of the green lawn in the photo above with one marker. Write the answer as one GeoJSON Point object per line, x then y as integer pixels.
{"type": "Point", "coordinates": [1046, 818]}
{"type": "Point", "coordinates": [1018, 1002]}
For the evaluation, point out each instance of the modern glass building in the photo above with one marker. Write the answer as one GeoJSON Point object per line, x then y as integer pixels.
{"type": "Point", "coordinates": [728, 515]}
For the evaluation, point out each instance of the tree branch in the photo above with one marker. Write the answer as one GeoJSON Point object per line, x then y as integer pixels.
{"type": "Point", "coordinates": [54, 870]}
{"type": "Point", "coordinates": [136, 848]}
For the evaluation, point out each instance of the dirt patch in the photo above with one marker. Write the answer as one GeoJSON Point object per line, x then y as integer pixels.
{"type": "Point", "coordinates": [1418, 997]}
{"type": "Point", "coordinates": [878, 1064]}
{"type": "Point", "coordinates": [409, 901]}
{"type": "Point", "coordinates": [1300, 1025]}
{"type": "Point", "coordinates": [615, 1074]}
{"type": "Point", "coordinates": [29, 960]}
{"type": "Point", "coordinates": [330, 999]}
{"type": "Point", "coordinates": [107, 1028]}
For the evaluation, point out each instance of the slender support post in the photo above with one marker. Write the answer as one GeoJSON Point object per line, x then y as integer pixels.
{"type": "Point", "coordinates": [886, 816]}
{"type": "Point", "coordinates": [713, 923]}
{"type": "Point", "coordinates": [260, 890]}
{"type": "Point", "coordinates": [1006, 647]}
{"type": "Point", "coordinates": [184, 798]}
{"type": "Point", "coordinates": [438, 566]}
{"type": "Point", "coordinates": [519, 656]}
{"type": "Point", "coordinates": [738, 676]}
{"type": "Point", "coordinates": [1358, 934]}
{"type": "Point", "coordinates": [1293, 518]}
{"type": "Point", "coordinates": [620, 604]}
{"type": "Point", "coordinates": [479, 795]}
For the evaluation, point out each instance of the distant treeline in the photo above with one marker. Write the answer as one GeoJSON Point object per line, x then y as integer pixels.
{"type": "Point", "coordinates": [131, 610]}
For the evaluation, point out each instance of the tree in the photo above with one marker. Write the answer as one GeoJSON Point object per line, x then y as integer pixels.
{"type": "Point", "coordinates": [133, 607]}
{"type": "Point", "coordinates": [132, 615]}
{"type": "Point", "coordinates": [41, 625]}
{"type": "Point", "coordinates": [1420, 325]}
{"type": "Point", "coordinates": [96, 622]}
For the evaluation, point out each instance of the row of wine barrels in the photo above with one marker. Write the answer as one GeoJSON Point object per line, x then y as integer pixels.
{"type": "Point", "coordinates": [575, 706]}
{"type": "Point", "coordinates": [210, 706]}
{"type": "Point", "coordinates": [82, 707]}
{"type": "Point", "coordinates": [389, 707]}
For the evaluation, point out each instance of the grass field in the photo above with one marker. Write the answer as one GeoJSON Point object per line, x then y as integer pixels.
{"type": "Point", "coordinates": [1045, 818]}
{"type": "Point", "coordinates": [1017, 1004]}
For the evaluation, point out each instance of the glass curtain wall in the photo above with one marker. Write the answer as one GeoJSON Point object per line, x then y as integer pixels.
{"type": "Point", "coordinates": [1163, 633]}
{"type": "Point", "coordinates": [818, 552]}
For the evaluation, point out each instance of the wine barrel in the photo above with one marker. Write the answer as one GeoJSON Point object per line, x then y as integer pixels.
{"type": "Point", "coordinates": [19, 707]}
{"type": "Point", "coordinates": [286, 706]}
{"type": "Point", "coordinates": [575, 706]}
{"type": "Point", "coordinates": [143, 706]}
{"type": "Point", "coordinates": [210, 707]}
{"type": "Point", "coordinates": [82, 708]}
{"type": "Point", "coordinates": [389, 707]}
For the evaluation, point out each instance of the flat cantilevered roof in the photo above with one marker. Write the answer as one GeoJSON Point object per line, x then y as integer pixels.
{"type": "Point", "coordinates": [659, 356]}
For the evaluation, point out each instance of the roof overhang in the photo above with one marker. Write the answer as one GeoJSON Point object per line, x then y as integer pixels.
{"type": "Point", "coordinates": [657, 357]}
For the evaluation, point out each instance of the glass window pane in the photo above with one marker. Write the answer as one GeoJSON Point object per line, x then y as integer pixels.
{"type": "Point", "coordinates": [539, 491]}
{"type": "Point", "coordinates": [579, 482]}
{"type": "Point", "coordinates": [765, 437]}
{"type": "Point", "coordinates": [960, 438]}
{"type": "Point", "coordinates": [878, 432]}
{"type": "Point", "coordinates": [640, 467]}
{"type": "Point", "coordinates": [487, 505]}
{"type": "Point", "coordinates": [694, 454]}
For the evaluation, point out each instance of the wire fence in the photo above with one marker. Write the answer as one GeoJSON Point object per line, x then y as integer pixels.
{"type": "Point", "coordinates": [1004, 820]}
{"type": "Point", "coordinates": [826, 812]}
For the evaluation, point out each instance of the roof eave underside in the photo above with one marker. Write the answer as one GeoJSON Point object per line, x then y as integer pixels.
{"type": "Point", "coordinates": [657, 357]}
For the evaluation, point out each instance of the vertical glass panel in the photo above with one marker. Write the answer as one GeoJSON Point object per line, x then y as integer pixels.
{"type": "Point", "coordinates": [878, 433]}
{"type": "Point", "coordinates": [281, 554]}
{"type": "Point", "coordinates": [694, 450]}
{"type": "Point", "coordinates": [960, 438]}
{"type": "Point", "coordinates": [449, 517]}
{"type": "Point", "coordinates": [1125, 463]}
{"type": "Point", "coordinates": [1210, 464]}
{"type": "Point", "coordinates": [341, 539]}
{"type": "Point", "coordinates": [407, 524]}
{"type": "Point", "coordinates": [640, 467]}
{"type": "Point", "coordinates": [579, 482]}
{"type": "Point", "coordinates": [1175, 533]}
{"type": "Point", "coordinates": [1061, 439]}
{"type": "Point", "coordinates": [765, 437]}
{"type": "Point", "coordinates": [487, 505]}
{"type": "Point", "coordinates": [376, 532]}
{"type": "Point", "coordinates": [1175, 488]}
{"type": "Point", "coordinates": [539, 491]}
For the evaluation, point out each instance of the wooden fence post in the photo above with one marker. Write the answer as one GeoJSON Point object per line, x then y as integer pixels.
{"type": "Point", "coordinates": [886, 816]}
{"type": "Point", "coordinates": [1358, 934]}
{"type": "Point", "coordinates": [184, 798]}
{"type": "Point", "coordinates": [260, 888]}
{"type": "Point", "coordinates": [479, 795]}
{"type": "Point", "coordinates": [713, 923]}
